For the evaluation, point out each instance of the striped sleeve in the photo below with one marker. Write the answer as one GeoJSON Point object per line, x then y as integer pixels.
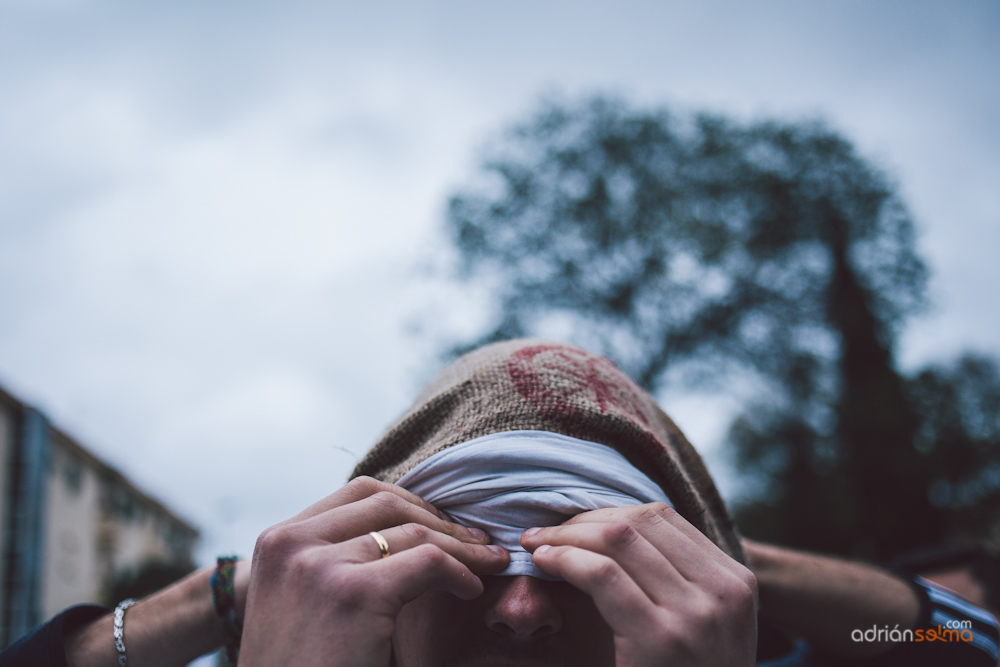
{"type": "Point", "coordinates": [978, 628]}
{"type": "Point", "coordinates": [951, 632]}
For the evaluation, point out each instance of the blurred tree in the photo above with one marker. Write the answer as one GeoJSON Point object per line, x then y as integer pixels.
{"type": "Point", "coordinates": [144, 580]}
{"type": "Point", "coordinates": [662, 240]}
{"type": "Point", "coordinates": [959, 429]}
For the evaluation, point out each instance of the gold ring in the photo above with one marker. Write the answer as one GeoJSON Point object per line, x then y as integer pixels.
{"type": "Point", "coordinates": [383, 546]}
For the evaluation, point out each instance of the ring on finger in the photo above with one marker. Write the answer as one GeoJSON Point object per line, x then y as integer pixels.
{"type": "Point", "coordinates": [383, 546]}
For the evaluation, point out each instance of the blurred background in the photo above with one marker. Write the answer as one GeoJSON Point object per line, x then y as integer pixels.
{"type": "Point", "coordinates": [236, 238]}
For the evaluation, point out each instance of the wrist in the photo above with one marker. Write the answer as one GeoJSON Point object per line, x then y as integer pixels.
{"type": "Point", "coordinates": [823, 599]}
{"type": "Point", "coordinates": [771, 567]}
{"type": "Point", "coordinates": [175, 625]}
{"type": "Point", "coordinates": [171, 627]}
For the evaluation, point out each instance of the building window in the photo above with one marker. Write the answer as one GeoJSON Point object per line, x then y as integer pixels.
{"type": "Point", "coordinates": [72, 470]}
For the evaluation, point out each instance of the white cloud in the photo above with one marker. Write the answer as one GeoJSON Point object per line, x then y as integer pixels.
{"type": "Point", "coordinates": [208, 211]}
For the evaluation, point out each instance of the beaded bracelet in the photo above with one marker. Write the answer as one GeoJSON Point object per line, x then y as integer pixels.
{"type": "Point", "coordinates": [224, 601]}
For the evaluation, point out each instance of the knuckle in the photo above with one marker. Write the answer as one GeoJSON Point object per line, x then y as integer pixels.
{"type": "Point", "coordinates": [431, 556]}
{"type": "Point", "coordinates": [448, 528]}
{"type": "Point", "coordinates": [649, 514]}
{"type": "Point", "coordinates": [619, 535]}
{"type": "Point", "coordinates": [416, 532]}
{"type": "Point", "coordinates": [348, 592]}
{"type": "Point", "coordinates": [749, 580]}
{"type": "Point", "coordinates": [737, 591]}
{"type": "Point", "coordinates": [274, 541]}
{"type": "Point", "coordinates": [702, 612]}
{"type": "Point", "coordinates": [660, 510]}
{"type": "Point", "coordinates": [303, 563]}
{"type": "Point", "coordinates": [386, 500]}
{"type": "Point", "coordinates": [263, 540]}
{"type": "Point", "coordinates": [578, 518]}
{"type": "Point", "coordinates": [605, 571]}
{"type": "Point", "coordinates": [731, 599]}
{"type": "Point", "coordinates": [313, 570]}
{"type": "Point", "coordinates": [681, 645]}
{"type": "Point", "coordinates": [366, 486]}
{"type": "Point", "coordinates": [665, 633]}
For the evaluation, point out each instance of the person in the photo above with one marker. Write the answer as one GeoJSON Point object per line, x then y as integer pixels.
{"type": "Point", "coordinates": [534, 507]}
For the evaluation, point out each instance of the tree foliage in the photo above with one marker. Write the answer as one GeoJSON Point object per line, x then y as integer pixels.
{"type": "Point", "coordinates": [662, 239]}
{"type": "Point", "coordinates": [667, 238]}
{"type": "Point", "coordinates": [150, 577]}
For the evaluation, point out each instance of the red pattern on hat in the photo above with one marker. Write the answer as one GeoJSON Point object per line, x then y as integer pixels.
{"type": "Point", "coordinates": [593, 380]}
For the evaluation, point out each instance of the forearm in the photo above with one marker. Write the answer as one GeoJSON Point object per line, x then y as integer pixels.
{"type": "Point", "coordinates": [823, 599]}
{"type": "Point", "coordinates": [171, 627]}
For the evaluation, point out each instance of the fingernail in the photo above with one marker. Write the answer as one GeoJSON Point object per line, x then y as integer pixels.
{"type": "Point", "coordinates": [498, 550]}
{"type": "Point", "coordinates": [477, 534]}
{"type": "Point", "coordinates": [542, 549]}
{"type": "Point", "coordinates": [531, 531]}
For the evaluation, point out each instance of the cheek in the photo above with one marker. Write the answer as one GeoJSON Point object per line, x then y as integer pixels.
{"type": "Point", "coordinates": [427, 628]}
{"type": "Point", "coordinates": [587, 627]}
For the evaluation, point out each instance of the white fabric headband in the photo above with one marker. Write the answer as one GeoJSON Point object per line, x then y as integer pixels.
{"type": "Point", "coordinates": [505, 483]}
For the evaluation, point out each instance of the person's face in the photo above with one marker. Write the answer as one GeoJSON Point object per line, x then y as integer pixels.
{"type": "Point", "coordinates": [521, 621]}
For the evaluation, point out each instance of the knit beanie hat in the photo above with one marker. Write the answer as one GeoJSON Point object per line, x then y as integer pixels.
{"type": "Point", "coordinates": [544, 386]}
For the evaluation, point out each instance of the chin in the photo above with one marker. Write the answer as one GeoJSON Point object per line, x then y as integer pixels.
{"type": "Point", "coordinates": [496, 661]}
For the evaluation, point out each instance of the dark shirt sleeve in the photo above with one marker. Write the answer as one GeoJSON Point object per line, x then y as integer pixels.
{"type": "Point", "coordinates": [43, 646]}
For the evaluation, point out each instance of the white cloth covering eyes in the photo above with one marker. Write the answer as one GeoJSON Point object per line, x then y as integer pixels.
{"type": "Point", "coordinates": [505, 483]}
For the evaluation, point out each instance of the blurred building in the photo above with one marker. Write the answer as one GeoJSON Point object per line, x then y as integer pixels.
{"type": "Point", "coordinates": [70, 522]}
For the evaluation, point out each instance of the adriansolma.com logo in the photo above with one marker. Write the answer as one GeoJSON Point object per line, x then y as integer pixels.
{"type": "Point", "coordinates": [952, 631]}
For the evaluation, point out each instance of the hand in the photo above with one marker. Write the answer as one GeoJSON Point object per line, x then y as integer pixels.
{"type": "Point", "coordinates": [320, 592]}
{"type": "Point", "coordinates": [670, 596]}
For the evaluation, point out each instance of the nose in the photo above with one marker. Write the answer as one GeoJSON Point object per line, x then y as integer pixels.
{"type": "Point", "coordinates": [524, 610]}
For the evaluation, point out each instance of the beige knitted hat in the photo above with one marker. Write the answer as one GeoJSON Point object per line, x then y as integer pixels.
{"type": "Point", "coordinates": [545, 386]}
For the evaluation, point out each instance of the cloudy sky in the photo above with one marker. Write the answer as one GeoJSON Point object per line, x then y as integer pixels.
{"type": "Point", "coordinates": [209, 211]}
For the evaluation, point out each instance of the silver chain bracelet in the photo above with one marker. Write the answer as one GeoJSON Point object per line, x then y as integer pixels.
{"type": "Point", "coordinates": [119, 631]}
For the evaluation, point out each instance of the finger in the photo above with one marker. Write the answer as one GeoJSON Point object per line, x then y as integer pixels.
{"type": "Point", "coordinates": [693, 555]}
{"type": "Point", "coordinates": [618, 598]}
{"type": "Point", "coordinates": [380, 511]}
{"type": "Point", "coordinates": [359, 488]}
{"type": "Point", "coordinates": [686, 554]}
{"type": "Point", "coordinates": [664, 527]}
{"type": "Point", "coordinates": [653, 572]}
{"type": "Point", "coordinates": [480, 558]}
{"type": "Point", "coordinates": [674, 518]}
{"type": "Point", "coordinates": [411, 573]}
